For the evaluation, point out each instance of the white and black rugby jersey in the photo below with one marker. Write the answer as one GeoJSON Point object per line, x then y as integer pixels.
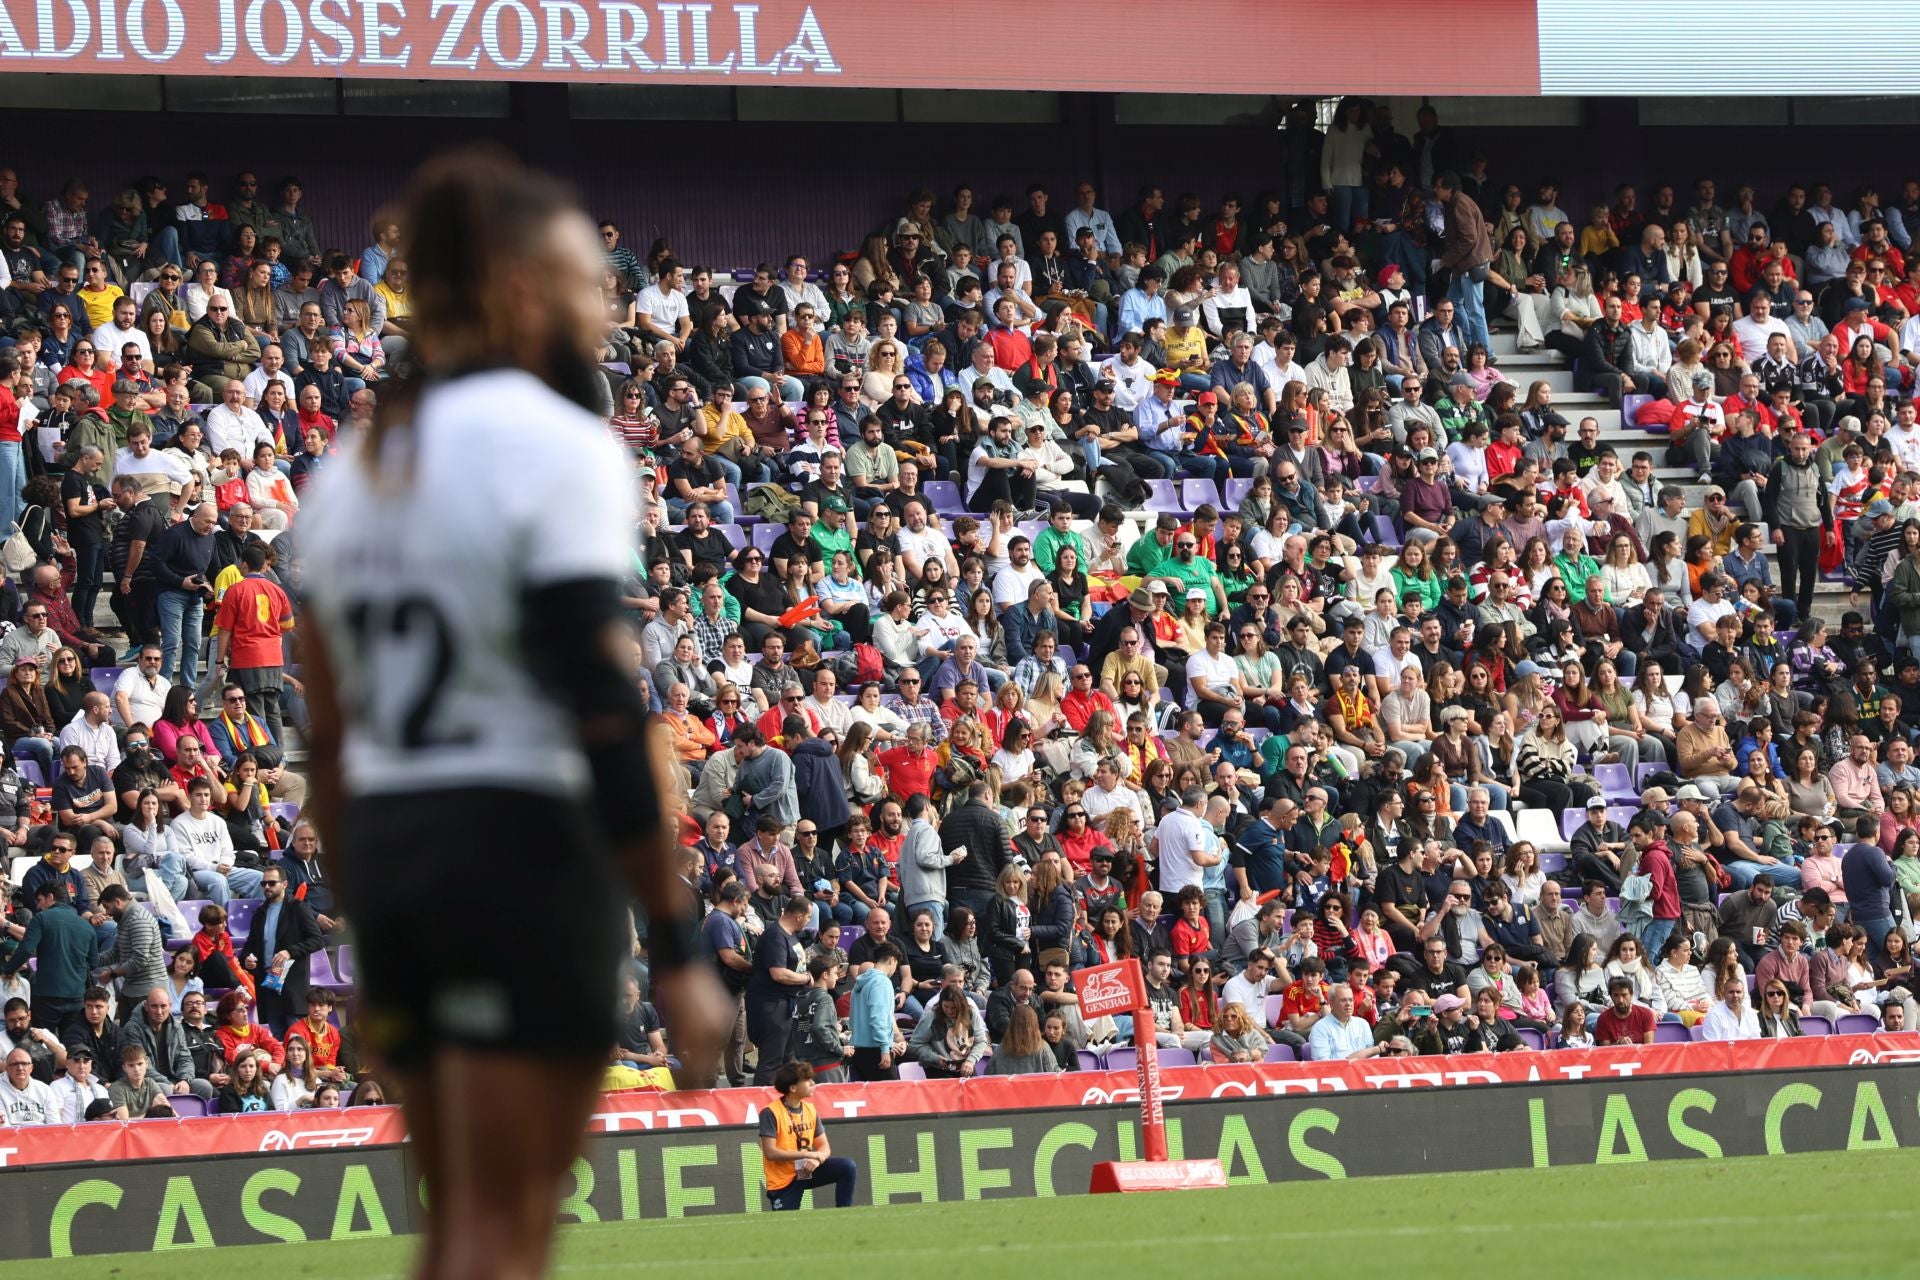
{"type": "Point", "coordinates": [416, 586]}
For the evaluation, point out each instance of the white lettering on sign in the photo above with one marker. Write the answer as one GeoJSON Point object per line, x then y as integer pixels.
{"type": "Point", "coordinates": [604, 39]}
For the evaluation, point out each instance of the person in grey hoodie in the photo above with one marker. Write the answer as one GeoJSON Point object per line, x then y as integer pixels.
{"type": "Point", "coordinates": [817, 1038]}
{"type": "Point", "coordinates": [923, 863]}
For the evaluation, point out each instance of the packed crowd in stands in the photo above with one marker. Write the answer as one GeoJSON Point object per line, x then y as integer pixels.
{"type": "Point", "coordinates": [1040, 587]}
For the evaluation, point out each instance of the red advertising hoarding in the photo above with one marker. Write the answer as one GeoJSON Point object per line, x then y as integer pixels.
{"type": "Point", "coordinates": [636, 1110]}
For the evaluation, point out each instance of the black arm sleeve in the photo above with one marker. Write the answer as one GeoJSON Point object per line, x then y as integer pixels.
{"type": "Point", "coordinates": [562, 628]}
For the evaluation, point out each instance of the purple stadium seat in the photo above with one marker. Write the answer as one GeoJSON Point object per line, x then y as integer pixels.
{"type": "Point", "coordinates": [946, 497]}
{"type": "Point", "coordinates": [1280, 1053]}
{"type": "Point", "coordinates": [1163, 498]}
{"type": "Point", "coordinates": [1815, 1025]}
{"type": "Point", "coordinates": [1531, 1038]}
{"type": "Point", "coordinates": [1386, 533]}
{"type": "Point", "coordinates": [240, 913]}
{"type": "Point", "coordinates": [30, 770]}
{"type": "Point", "coordinates": [1856, 1024]}
{"type": "Point", "coordinates": [1629, 405]}
{"type": "Point", "coordinates": [187, 1106]}
{"type": "Point", "coordinates": [1571, 820]}
{"type": "Point", "coordinates": [1237, 490]}
{"type": "Point", "coordinates": [765, 535]}
{"type": "Point", "coordinates": [320, 971]}
{"type": "Point", "coordinates": [1271, 1014]}
{"type": "Point", "coordinates": [1552, 862]}
{"type": "Point", "coordinates": [735, 534]}
{"type": "Point", "coordinates": [1195, 492]}
{"type": "Point", "coordinates": [1616, 782]}
{"type": "Point", "coordinates": [1362, 484]}
{"type": "Point", "coordinates": [1178, 1058]}
{"type": "Point", "coordinates": [1089, 1060]}
{"type": "Point", "coordinates": [1644, 772]}
{"type": "Point", "coordinates": [912, 1071]}
{"type": "Point", "coordinates": [1670, 1033]}
{"type": "Point", "coordinates": [1125, 1058]}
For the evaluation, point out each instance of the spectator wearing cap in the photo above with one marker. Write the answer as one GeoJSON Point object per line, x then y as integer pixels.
{"type": "Point", "coordinates": [1186, 345]}
{"type": "Point", "coordinates": [756, 349]}
{"type": "Point", "coordinates": [1426, 502]}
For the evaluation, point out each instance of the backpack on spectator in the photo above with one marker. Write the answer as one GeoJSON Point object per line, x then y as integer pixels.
{"type": "Point", "coordinates": [771, 502]}
{"type": "Point", "coordinates": [869, 664]}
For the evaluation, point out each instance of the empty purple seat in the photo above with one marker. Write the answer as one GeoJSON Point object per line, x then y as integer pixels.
{"type": "Point", "coordinates": [1553, 862]}
{"type": "Point", "coordinates": [1816, 1025]}
{"type": "Point", "coordinates": [1530, 1037]}
{"type": "Point", "coordinates": [240, 913]}
{"type": "Point", "coordinates": [1670, 1033]}
{"type": "Point", "coordinates": [320, 970]}
{"type": "Point", "coordinates": [1856, 1024]}
{"type": "Point", "coordinates": [188, 1106]}
{"type": "Point", "coordinates": [1385, 532]}
{"type": "Point", "coordinates": [946, 497]}
{"type": "Point", "coordinates": [1193, 493]}
{"type": "Point", "coordinates": [1571, 820]}
{"type": "Point", "coordinates": [1280, 1053]}
{"type": "Point", "coordinates": [764, 536]}
{"type": "Point", "coordinates": [1178, 1058]}
{"type": "Point", "coordinates": [1125, 1058]}
{"type": "Point", "coordinates": [1089, 1060]}
{"type": "Point", "coordinates": [1163, 498]}
{"type": "Point", "coordinates": [1237, 490]}
{"type": "Point", "coordinates": [31, 771]}
{"type": "Point", "coordinates": [912, 1071]}
{"type": "Point", "coordinates": [1615, 781]}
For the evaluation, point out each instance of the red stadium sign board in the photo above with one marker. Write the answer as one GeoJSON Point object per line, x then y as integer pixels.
{"type": "Point", "coordinates": [773, 42]}
{"type": "Point", "coordinates": [620, 1112]}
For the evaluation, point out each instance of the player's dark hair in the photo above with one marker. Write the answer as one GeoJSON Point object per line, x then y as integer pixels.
{"type": "Point", "coordinates": [471, 216]}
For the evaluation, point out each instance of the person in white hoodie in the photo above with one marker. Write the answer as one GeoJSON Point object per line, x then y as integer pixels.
{"type": "Point", "coordinates": [1649, 350]}
{"type": "Point", "coordinates": [205, 844]}
{"type": "Point", "coordinates": [923, 863]}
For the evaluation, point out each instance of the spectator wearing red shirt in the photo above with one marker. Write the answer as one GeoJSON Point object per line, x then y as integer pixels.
{"type": "Point", "coordinates": [1305, 999]}
{"type": "Point", "coordinates": [1192, 935]}
{"type": "Point", "coordinates": [1623, 1021]}
{"type": "Point", "coordinates": [791, 704]}
{"type": "Point", "coordinates": [1083, 700]}
{"type": "Point", "coordinates": [253, 615]}
{"type": "Point", "coordinates": [1504, 454]}
{"type": "Point", "coordinates": [322, 1037]}
{"type": "Point", "coordinates": [910, 768]}
{"type": "Point", "coordinates": [1656, 861]}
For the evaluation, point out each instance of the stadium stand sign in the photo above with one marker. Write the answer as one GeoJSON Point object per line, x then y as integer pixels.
{"type": "Point", "coordinates": [848, 42]}
{"type": "Point", "coordinates": [315, 1195]}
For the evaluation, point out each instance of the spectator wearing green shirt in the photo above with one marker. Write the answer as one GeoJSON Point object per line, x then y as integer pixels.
{"type": "Point", "coordinates": [1190, 571]}
{"type": "Point", "coordinates": [1058, 533]}
{"type": "Point", "coordinates": [832, 532]}
{"type": "Point", "coordinates": [1146, 555]}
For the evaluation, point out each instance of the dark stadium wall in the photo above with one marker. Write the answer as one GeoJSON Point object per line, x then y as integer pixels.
{"type": "Point", "coordinates": [825, 185]}
{"type": "Point", "coordinates": [69, 1210]}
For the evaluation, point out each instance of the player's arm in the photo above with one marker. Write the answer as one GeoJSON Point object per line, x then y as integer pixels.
{"type": "Point", "coordinates": [573, 629]}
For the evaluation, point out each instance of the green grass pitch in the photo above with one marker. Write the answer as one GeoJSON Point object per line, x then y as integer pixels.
{"type": "Point", "coordinates": [1749, 1218]}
